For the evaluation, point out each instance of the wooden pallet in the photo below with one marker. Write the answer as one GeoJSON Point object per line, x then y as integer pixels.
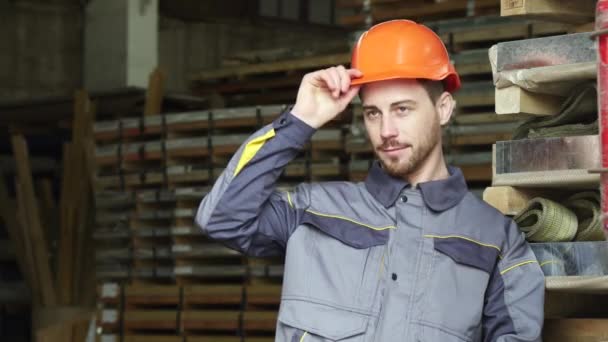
{"type": "Point", "coordinates": [418, 10]}
{"type": "Point", "coordinates": [534, 169]}
{"type": "Point", "coordinates": [570, 11]}
{"type": "Point", "coordinates": [149, 127]}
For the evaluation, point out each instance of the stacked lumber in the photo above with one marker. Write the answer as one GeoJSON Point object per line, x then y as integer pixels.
{"type": "Point", "coordinates": [60, 280]}
{"type": "Point", "coordinates": [152, 173]}
{"type": "Point", "coordinates": [222, 312]}
{"type": "Point", "coordinates": [543, 176]}
{"type": "Point", "coordinates": [360, 13]}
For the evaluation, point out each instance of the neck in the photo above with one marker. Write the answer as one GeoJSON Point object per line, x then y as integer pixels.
{"type": "Point", "coordinates": [432, 168]}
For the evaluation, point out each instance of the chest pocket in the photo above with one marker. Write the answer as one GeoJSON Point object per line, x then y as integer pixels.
{"type": "Point", "coordinates": [305, 321]}
{"type": "Point", "coordinates": [457, 283]}
{"type": "Point", "coordinates": [322, 267]}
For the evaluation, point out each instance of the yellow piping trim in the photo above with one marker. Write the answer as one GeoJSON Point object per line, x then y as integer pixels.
{"type": "Point", "coordinates": [548, 262]}
{"type": "Point", "coordinates": [468, 239]}
{"type": "Point", "coordinates": [251, 149]}
{"type": "Point", "coordinates": [302, 338]}
{"type": "Point", "coordinates": [289, 199]}
{"type": "Point", "coordinates": [349, 220]}
{"type": "Point", "coordinates": [520, 264]}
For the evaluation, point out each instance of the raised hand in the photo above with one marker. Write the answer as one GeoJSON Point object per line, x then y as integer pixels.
{"type": "Point", "coordinates": [324, 94]}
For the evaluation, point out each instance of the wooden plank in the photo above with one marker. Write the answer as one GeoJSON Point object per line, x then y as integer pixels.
{"type": "Point", "coordinates": [65, 260]}
{"type": "Point", "coordinates": [140, 294]}
{"type": "Point", "coordinates": [429, 9]}
{"type": "Point", "coordinates": [30, 261]}
{"type": "Point", "coordinates": [302, 63]}
{"type": "Point", "coordinates": [477, 173]}
{"type": "Point", "coordinates": [152, 338]}
{"type": "Point", "coordinates": [572, 179]}
{"type": "Point", "coordinates": [479, 139]}
{"type": "Point", "coordinates": [82, 133]}
{"type": "Point", "coordinates": [507, 199]}
{"type": "Point", "coordinates": [484, 118]}
{"type": "Point", "coordinates": [515, 100]}
{"type": "Point", "coordinates": [213, 294]}
{"type": "Point", "coordinates": [259, 320]}
{"type": "Point", "coordinates": [210, 320]}
{"type": "Point", "coordinates": [264, 294]}
{"type": "Point", "coordinates": [150, 319]}
{"type": "Point", "coordinates": [573, 305]}
{"type": "Point", "coordinates": [352, 20]}
{"type": "Point", "coordinates": [578, 284]}
{"type": "Point", "coordinates": [508, 31]}
{"type": "Point", "coordinates": [576, 330]}
{"type": "Point", "coordinates": [226, 339]}
{"type": "Point", "coordinates": [41, 253]}
{"type": "Point", "coordinates": [154, 93]}
{"type": "Point", "coordinates": [47, 205]}
{"type": "Point", "coordinates": [581, 11]}
{"type": "Point", "coordinates": [349, 3]}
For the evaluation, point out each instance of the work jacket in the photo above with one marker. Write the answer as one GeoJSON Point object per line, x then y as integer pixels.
{"type": "Point", "coordinates": [378, 260]}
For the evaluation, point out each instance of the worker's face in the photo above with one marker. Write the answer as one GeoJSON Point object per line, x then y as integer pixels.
{"type": "Point", "coordinates": [403, 124]}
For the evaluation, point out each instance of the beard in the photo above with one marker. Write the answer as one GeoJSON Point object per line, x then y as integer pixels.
{"type": "Point", "coordinates": [420, 152]}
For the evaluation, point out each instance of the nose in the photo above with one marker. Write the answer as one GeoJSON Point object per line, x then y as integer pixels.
{"type": "Point", "coordinates": [388, 129]}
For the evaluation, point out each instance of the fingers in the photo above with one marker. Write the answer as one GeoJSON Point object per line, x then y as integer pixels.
{"type": "Point", "coordinates": [335, 75]}
{"type": "Point", "coordinates": [354, 73]}
{"type": "Point", "coordinates": [324, 78]}
{"type": "Point", "coordinates": [344, 78]}
{"type": "Point", "coordinates": [336, 79]}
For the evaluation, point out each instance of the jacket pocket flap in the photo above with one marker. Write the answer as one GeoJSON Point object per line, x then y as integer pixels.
{"type": "Point", "coordinates": [468, 252]}
{"type": "Point", "coordinates": [323, 320]}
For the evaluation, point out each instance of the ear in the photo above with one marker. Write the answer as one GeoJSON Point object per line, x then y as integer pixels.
{"type": "Point", "coordinates": [445, 107]}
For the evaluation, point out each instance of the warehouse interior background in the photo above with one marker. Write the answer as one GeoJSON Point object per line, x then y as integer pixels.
{"type": "Point", "coordinates": [116, 116]}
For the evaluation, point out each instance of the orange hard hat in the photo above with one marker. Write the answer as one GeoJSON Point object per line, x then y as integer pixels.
{"type": "Point", "coordinates": [403, 49]}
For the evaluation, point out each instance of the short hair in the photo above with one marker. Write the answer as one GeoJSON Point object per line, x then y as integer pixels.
{"type": "Point", "coordinates": [433, 88]}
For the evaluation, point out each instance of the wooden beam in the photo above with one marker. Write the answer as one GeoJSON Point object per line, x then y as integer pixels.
{"type": "Point", "coordinates": [65, 259]}
{"type": "Point", "coordinates": [428, 9]}
{"type": "Point", "coordinates": [154, 94]}
{"type": "Point", "coordinates": [576, 330]}
{"type": "Point", "coordinates": [485, 118]}
{"type": "Point", "coordinates": [580, 11]}
{"type": "Point", "coordinates": [48, 208]}
{"type": "Point", "coordinates": [477, 173]}
{"type": "Point", "coordinates": [301, 63]}
{"type": "Point", "coordinates": [507, 199]}
{"type": "Point", "coordinates": [515, 100]}
{"type": "Point", "coordinates": [83, 129]}
{"type": "Point", "coordinates": [28, 250]}
{"type": "Point", "coordinates": [41, 253]}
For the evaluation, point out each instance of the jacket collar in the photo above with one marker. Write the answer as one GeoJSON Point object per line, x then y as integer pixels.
{"type": "Point", "coordinates": [439, 195]}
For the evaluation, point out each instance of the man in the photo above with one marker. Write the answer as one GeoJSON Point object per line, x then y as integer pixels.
{"type": "Point", "coordinates": [407, 255]}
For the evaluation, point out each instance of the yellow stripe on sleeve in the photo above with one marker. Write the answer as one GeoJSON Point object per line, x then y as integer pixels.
{"type": "Point", "coordinates": [251, 149]}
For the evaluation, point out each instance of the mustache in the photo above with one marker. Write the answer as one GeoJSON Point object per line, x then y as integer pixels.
{"type": "Point", "coordinates": [392, 144]}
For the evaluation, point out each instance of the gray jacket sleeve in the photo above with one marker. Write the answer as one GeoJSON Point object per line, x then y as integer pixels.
{"type": "Point", "coordinates": [514, 301]}
{"type": "Point", "coordinates": [243, 210]}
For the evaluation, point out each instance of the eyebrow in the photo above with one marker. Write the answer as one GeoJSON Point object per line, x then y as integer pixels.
{"type": "Point", "coordinates": [394, 104]}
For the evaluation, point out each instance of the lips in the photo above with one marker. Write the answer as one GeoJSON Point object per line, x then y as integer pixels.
{"type": "Point", "coordinates": [393, 151]}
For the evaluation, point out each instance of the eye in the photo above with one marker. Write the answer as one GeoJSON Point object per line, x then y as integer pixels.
{"type": "Point", "coordinates": [402, 110]}
{"type": "Point", "coordinates": [372, 114]}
